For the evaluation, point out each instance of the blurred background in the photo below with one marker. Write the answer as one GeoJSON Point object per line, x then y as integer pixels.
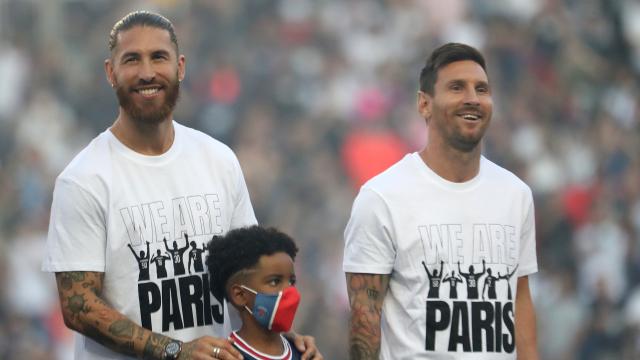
{"type": "Point", "coordinates": [315, 97]}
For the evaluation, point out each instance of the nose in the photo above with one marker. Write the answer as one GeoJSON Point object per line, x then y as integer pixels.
{"type": "Point", "coordinates": [471, 97]}
{"type": "Point", "coordinates": [146, 72]}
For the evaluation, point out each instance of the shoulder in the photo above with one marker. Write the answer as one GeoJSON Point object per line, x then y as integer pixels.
{"type": "Point", "coordinates": [89, 166]}
{"type": "Point", "coordinates": [503, 177]}
{"type": "Point", "coordinates": [201, 141]}
{"type": "Point", "coordinates": [394, 178]}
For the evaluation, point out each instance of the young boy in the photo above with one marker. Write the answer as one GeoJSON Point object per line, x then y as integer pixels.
{"type": "Point", "coordinates": [252, 268]}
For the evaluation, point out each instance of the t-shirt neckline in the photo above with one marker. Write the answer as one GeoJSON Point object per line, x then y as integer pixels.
{"type": "Point", "coordinates": [426, 171]}
{"type": "Point", "coordinates": [151, 160]}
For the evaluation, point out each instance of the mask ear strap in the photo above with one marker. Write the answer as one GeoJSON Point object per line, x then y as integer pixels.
{"type": "Point", "coordinates": [249, 289]}
{"type": "Point", "coordinates": [252, 291]}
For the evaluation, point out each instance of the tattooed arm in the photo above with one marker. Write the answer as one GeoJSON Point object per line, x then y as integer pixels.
{"type": "Point", "coordinates": [366, 295]}
{"type": "Point", "coordinates": [85, 312]}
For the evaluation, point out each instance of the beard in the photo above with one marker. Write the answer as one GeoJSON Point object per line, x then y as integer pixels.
{"type": "Point", "coordinates": [149, 113]}
{"type": "Point", "coordinates": [464, 144]}
{"type": "Point", "coordinates": [456, 137]}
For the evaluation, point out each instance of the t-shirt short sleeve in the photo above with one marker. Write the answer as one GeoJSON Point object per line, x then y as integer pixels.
{"type": "Point", "coordinates": [243, 214]}
{"type": "Point", "coordinates": [369, 246]}
{"type": "Point", "coordinates": [528, 258]}
{"type": "Point", "coordinates": [77, 237]}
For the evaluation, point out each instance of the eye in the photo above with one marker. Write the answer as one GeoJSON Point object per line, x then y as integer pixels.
{"type": "Point", "coordinates": [274, 282]}
{"type": "Point", "coordinates": [482, 89]}
{"type": "Point", "coordinates": [160, 56]}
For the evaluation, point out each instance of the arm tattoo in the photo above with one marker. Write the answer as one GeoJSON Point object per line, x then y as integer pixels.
{"type": "Point", "coordinates": [122, 328]}
{"type": "Point", "coordinates": [154, 348]}
{"type": "Point", "coordinates": [86, 312]}
{"type": "Point", "coordinates": [372, 294]}
{"type": "Point", "coordinates": [366, 295]}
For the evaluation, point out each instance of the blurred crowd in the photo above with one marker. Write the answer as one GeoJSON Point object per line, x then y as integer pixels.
{"type": "Point", "coordinates": [316, 97]}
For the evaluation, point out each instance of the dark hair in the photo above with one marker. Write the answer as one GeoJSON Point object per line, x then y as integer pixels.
{"type": "Point", "coordinates": [241, 249]}
{"type": "Point", "coordinates": [441, 57]}
{"type": "Point", "coordinates": [141, 18]}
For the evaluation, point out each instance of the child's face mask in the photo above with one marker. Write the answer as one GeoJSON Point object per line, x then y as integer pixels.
{"type": "Point", "coordinates": [275, 311]}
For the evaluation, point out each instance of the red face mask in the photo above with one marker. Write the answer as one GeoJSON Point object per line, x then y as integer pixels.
{"type": "Point", "coordinates": [275, 311]}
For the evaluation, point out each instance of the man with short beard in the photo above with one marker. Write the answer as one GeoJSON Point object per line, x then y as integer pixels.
{"type": "Point", "coordinates": [145, 179]}
{"type": "Point", "coordinates": [441, 207]}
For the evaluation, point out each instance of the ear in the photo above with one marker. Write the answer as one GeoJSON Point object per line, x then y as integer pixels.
{"type": "Point", "coordinates": [182, 62]}
{"type": "Point", "coordinates": [424, 104]}
{"type": "Point", "coordinates": [108, 69]}
{"type": "Point", "coordinates": [237, 295]}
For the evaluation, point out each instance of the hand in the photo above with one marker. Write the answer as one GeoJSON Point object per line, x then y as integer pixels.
{"type": "Point", "coordinates": [203, 349]}
{"type": "Point", "coordinates": [306, 345]}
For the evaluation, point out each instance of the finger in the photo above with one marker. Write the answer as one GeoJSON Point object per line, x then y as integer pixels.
{"type": "Point", "coordinates": [299, 342]}
{"type": "Point", "coordinates": [311, 349]}
{"type": "Point", "coordinates": [225, 354]}
{"type": "Point", "coordinates": [227, 351]}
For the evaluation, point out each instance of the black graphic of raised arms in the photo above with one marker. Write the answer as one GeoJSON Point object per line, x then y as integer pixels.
{"type": "Point", "coordinates": [435, 272]}
{"type": "Point", "coordinates": [143, 262]}
{"type": "Point", "coordinates": [460, 270]}
{"type": "Point", "coordinates": [175, 245]}
{"type": "Point", "coordinates": [186, 242]}
{"type": "Point", "coordinates": [490, 283]}
{"type": "Point", "coordinates": [159, 260]}
{"type": "Point", "coordinates": [142, 254]}
{"type": "Point", "coordinates": [195, 254]}
{"type": "Point", "coordinates": [508, 275]}
{"type": "Point", "coordinates": [160, 255]}
{"type": "Point", "coordinates": [452, 277]}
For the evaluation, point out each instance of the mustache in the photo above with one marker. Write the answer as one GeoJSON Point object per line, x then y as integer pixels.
{"type": "Point", "coordinates": [471, 108]}
{"type": "Point", "coordinates": [143, 82]}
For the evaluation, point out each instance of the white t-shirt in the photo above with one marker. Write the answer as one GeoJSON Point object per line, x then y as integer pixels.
{"type": "Point", "coordinates": [416, 226]}
{"type": "Point", "coordinates": [111, 201]}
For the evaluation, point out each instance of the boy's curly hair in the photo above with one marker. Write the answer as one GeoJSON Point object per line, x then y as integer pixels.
{"type": "Point", "coordinates": [241, 249]}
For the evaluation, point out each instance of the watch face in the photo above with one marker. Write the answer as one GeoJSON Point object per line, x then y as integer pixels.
{"type": "Point", "coordinates": [172, 349]}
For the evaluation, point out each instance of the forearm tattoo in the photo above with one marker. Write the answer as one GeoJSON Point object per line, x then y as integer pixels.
{"type": "Point", "coordinates": [85, 312]}
{"type": "Point", "coordinates": [366, 295]}
{"type": "Point", "coordinates": [154, 347]}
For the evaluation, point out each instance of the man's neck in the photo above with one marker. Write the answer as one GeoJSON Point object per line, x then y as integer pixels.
{"type": "Point", "coordinates": [146, 139]}
{"type": "Point", "coordinates": [451, 164]}
{"type": "Point", "coordinates": [261, 339]}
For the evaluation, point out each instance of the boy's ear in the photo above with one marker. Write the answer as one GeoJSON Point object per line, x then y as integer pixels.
{"type": "Point", "coordinates": [237, 295]}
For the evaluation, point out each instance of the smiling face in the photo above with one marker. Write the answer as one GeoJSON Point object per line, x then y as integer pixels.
{"type": "Point", "coordinates": [459, 111]}
{"type": "Point", "coordinates": [146, 70]}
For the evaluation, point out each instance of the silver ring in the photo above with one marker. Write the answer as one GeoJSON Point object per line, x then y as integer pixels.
{"type": "Point", "coordinates": [216, 352]}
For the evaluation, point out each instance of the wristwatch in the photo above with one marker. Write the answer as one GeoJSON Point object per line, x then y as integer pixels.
{"type": "Point", "coordinates": [172, 350]}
